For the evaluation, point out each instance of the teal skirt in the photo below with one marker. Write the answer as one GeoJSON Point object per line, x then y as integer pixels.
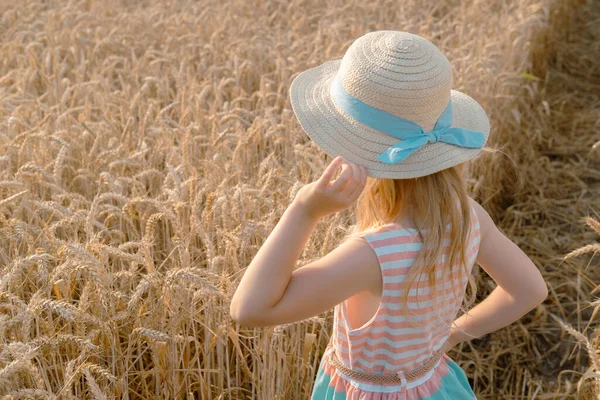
{"type": "Point", "coordinates": [449, 383]}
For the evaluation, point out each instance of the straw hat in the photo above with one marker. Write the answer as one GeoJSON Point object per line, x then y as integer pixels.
{"type": "Point", "coordinates": [388, 104]}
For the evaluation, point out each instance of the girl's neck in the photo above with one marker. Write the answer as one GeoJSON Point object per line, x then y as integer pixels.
{"type": "Point", "coordinates": [404, 218]}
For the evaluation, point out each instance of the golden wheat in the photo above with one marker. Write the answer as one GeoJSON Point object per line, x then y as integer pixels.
{"type": "Point", "coordinates": [147, 149]}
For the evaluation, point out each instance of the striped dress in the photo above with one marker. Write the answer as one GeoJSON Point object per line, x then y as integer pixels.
{"type": "Point", "coordinates": [389, 342]}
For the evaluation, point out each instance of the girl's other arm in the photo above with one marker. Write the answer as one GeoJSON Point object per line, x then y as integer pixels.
{"type": "Point", "coordinates": [520, 285]}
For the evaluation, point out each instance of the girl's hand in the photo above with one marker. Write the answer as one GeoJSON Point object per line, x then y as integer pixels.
{"type": "Point", "coordinates": [324, 196]}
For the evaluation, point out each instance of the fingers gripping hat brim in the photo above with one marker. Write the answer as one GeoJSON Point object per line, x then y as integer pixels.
{"type": "Point", "coordinates": [339, 135]}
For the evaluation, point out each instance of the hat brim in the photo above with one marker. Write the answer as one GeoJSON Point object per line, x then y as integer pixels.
{"type": "Point", "coordinates": [338, 135]}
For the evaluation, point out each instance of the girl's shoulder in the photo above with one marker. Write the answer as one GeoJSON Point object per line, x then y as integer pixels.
{"type": "Point", "coordinates": [484, 219]}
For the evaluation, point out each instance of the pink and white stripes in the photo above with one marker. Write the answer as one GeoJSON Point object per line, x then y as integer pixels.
{"type": "Point", "coordinates": [393, 340]}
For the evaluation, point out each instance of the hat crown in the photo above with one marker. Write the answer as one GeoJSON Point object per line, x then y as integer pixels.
{"type": "Point", "coordinates": [400, 73]}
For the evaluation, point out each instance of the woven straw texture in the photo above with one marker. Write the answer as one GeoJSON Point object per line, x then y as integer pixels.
{"type": "Point", "coordinates": [399, 73]}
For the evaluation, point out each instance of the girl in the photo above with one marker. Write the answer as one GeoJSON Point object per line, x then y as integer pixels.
{"type": "Point", "coordinates": [388, 115]}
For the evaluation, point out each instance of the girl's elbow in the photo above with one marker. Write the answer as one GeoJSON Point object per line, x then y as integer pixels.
{"type": "Point", "coordinates": [544, 292]}
{"type": "Point", "coordinates": [241, 319]}
{"type": "Point", "coordinates": [539, 293]}
{"type": "Point", "coordinates": [239, 316]}
{"type": "Point", "coordinates": [251, 323]}
{"type": "Point", "coordinates": [236, 314]}
{"type": "Point", "coordinates": [246, 319]}
{"type": "Point", "coordinates": [536, 289]}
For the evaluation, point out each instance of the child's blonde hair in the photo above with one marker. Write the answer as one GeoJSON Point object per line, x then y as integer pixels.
{"type": "Point", "coordinates": [435, 201]}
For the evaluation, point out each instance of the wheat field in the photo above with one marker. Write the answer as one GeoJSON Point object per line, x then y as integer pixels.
{"type": "Point", "coordinates": [147, 149]}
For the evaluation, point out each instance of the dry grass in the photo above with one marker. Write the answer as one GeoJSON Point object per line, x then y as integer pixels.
{"type": "Point", "coordinates": [148, 148]}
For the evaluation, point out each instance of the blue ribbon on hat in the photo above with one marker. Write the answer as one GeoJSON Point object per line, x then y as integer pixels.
{"type": "Point", "coordinates": [412, 136]}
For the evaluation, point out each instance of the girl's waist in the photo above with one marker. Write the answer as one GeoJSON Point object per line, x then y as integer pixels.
{"type": "Point", "coordinates": [415, 370]}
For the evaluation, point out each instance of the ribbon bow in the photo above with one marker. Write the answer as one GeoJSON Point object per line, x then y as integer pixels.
{"type": "Point", "coordinates": [412, 136]}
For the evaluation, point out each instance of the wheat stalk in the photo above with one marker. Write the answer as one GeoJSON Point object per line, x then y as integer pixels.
{"type": "Point", "coordinates": [149, 149]}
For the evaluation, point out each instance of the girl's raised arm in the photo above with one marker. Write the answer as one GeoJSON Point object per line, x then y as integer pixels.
{"type": "Point", "coordinates": [520, 285]}
{"type": "Point", "coordinates": [272, 293]}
